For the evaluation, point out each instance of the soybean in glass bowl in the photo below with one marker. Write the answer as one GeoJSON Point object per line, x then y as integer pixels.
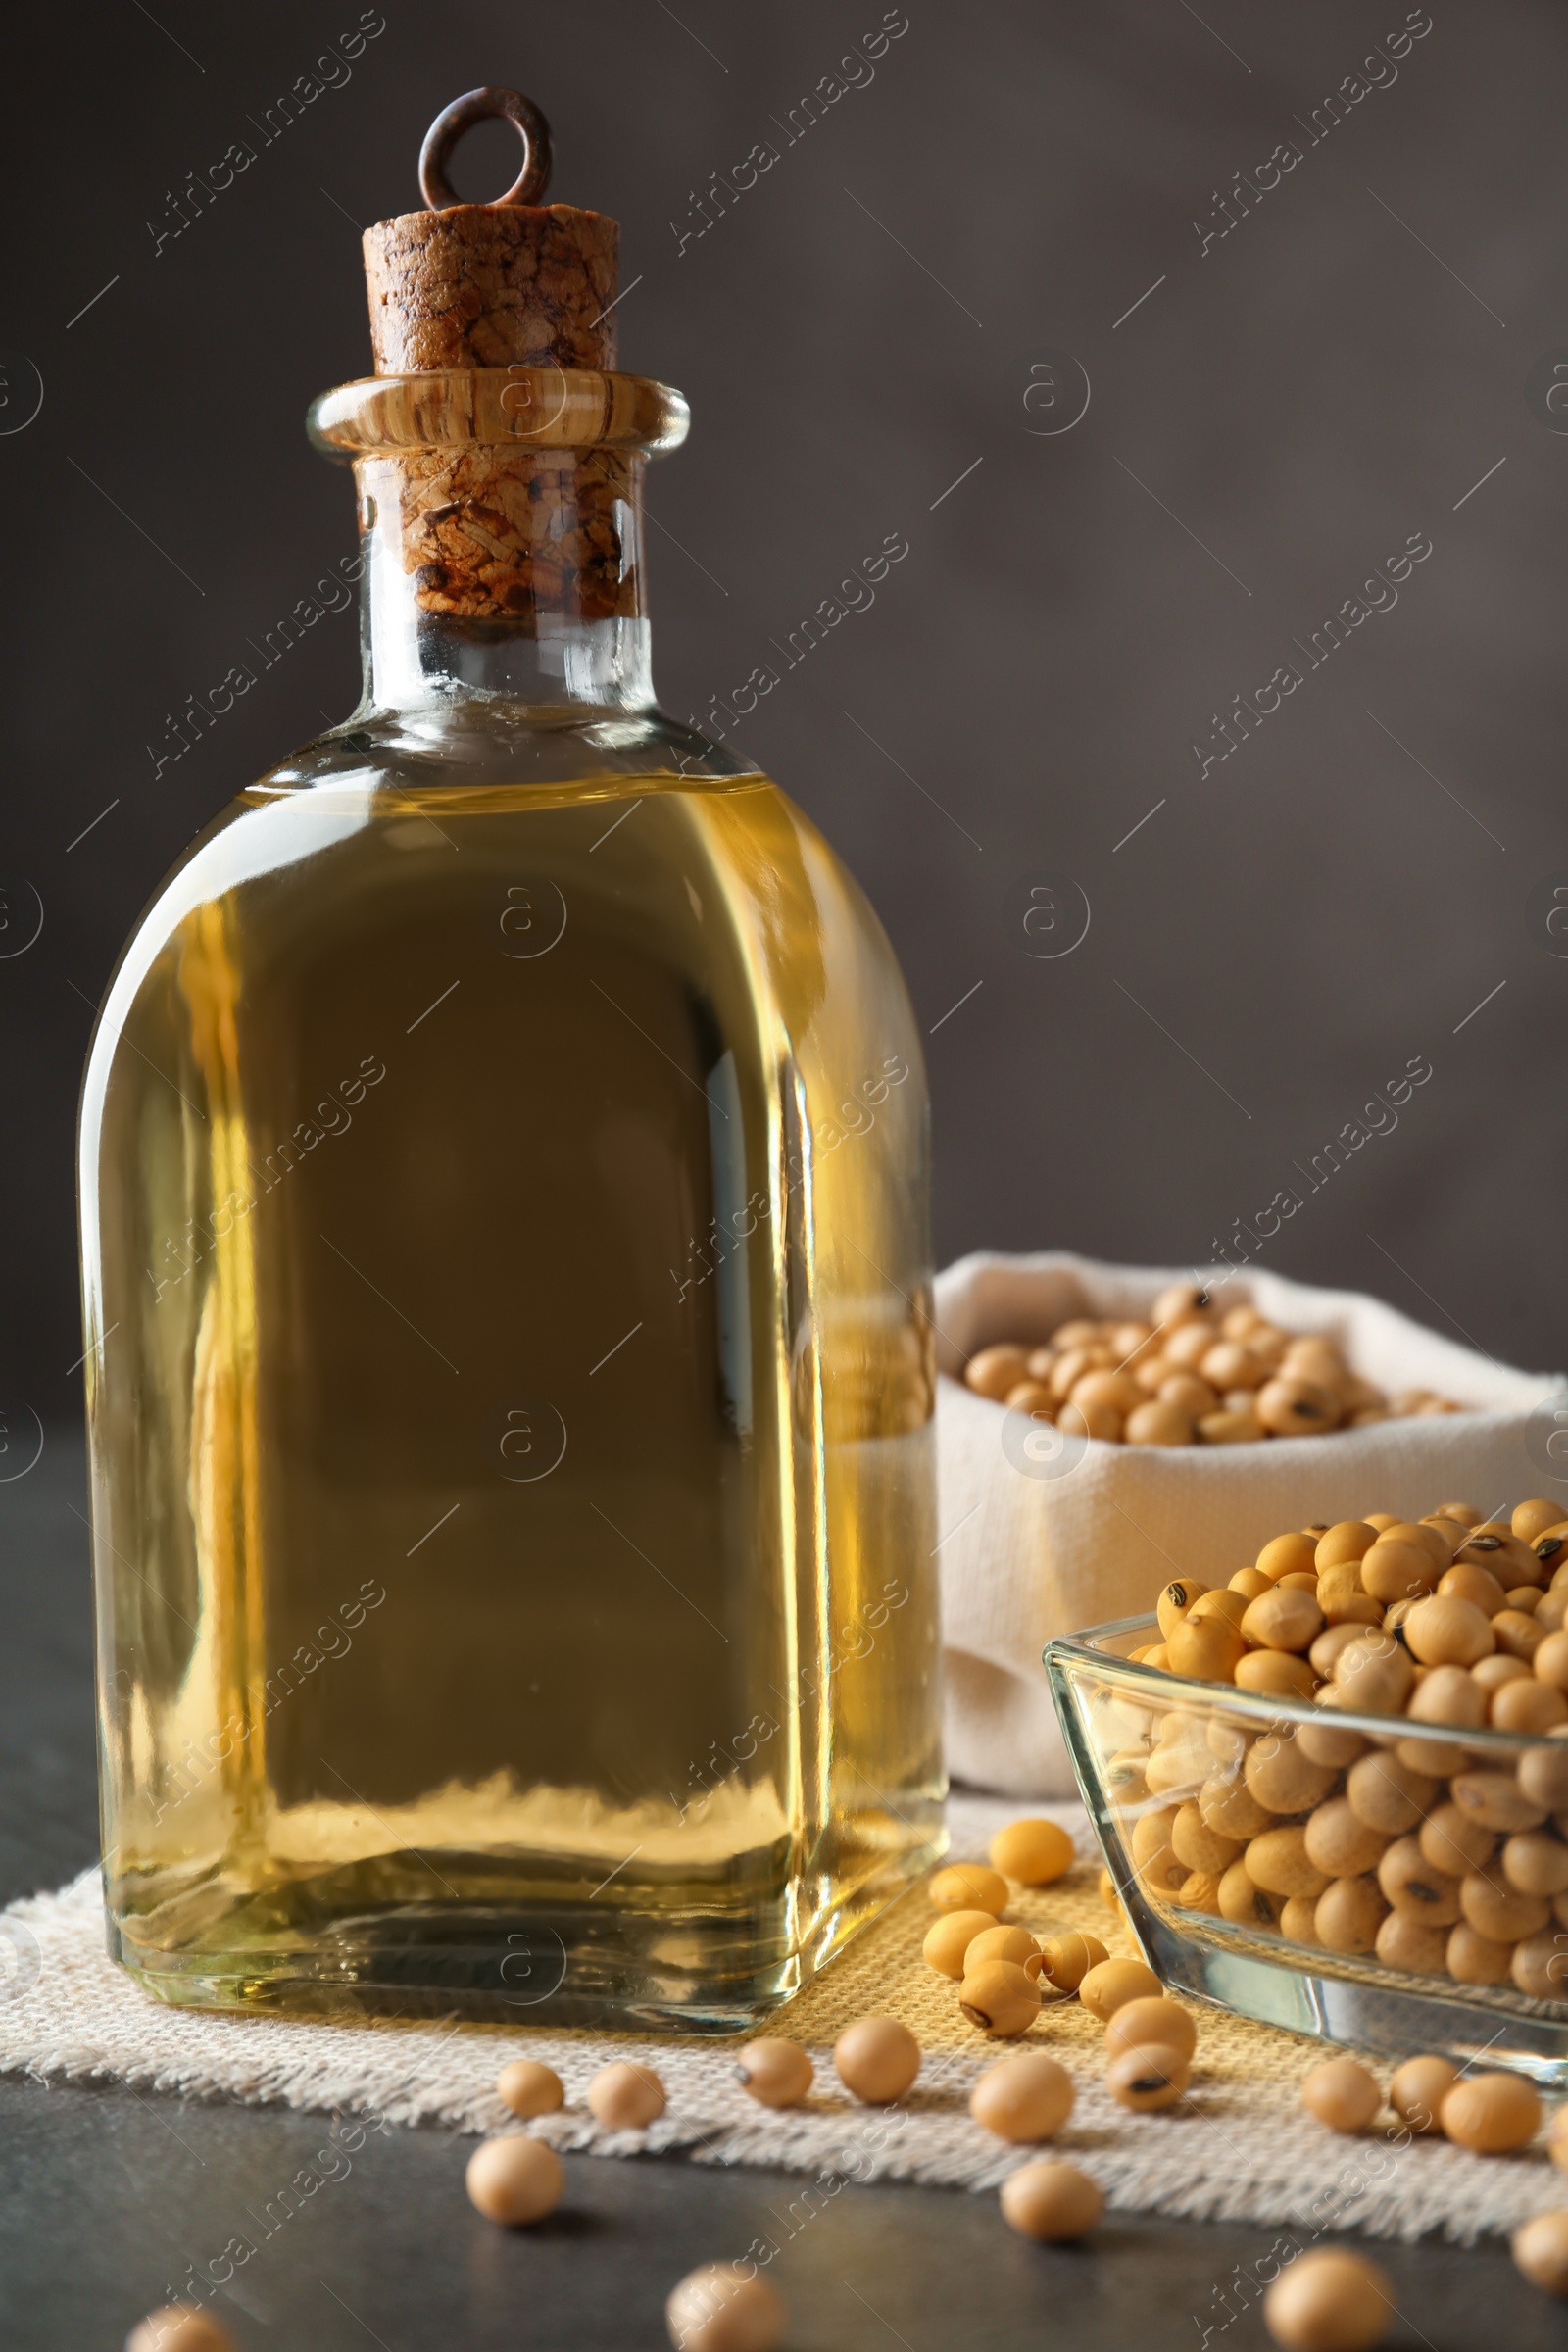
{"type": "Point", "coordinates": [1231, 1756]}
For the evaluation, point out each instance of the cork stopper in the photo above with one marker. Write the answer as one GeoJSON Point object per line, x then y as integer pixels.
{"type": "Point", "coordinates": [486, 285]}
{"type": "Point", "coordinates": [483, 285]}
{"type": "Point", "coordinates": [513, 283]}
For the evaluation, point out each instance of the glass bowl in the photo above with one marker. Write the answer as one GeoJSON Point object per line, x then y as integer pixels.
{"type": "Point", "coordinates": [1218, 1751]}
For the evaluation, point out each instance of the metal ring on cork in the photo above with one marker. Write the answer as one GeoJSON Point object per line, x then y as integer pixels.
{"type": "Point", "coordinates": [484, 106]}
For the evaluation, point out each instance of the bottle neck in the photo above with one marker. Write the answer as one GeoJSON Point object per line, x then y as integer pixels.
{"type": "Point", "coordinates": [511, 576]}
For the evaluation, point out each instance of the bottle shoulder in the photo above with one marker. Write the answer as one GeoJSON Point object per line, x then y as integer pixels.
{"type": "Point", "coordinates": [472, 740]}
{"type": "Point", "coordinates": [381, 823]}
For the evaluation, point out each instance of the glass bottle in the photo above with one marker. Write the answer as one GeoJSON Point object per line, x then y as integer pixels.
{"type": "Point", "coordinates": [503, 1171]}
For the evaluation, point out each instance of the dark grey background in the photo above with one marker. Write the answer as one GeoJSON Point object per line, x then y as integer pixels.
{"type": "Point", "coordinates": [855, 335]}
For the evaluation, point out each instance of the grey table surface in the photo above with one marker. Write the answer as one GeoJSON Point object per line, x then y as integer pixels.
{"type": "Point", "coordinates": [107, 2198]}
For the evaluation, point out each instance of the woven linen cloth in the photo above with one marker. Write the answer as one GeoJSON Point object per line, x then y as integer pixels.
{"type": "Point", "coordinates": [1060, 1537]}
{"type": "Point", "coordinates": [1240, 2147]}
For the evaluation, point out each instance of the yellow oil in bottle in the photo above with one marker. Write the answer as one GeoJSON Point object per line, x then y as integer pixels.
{"type": "Point", "coordinates": [510, 1392]}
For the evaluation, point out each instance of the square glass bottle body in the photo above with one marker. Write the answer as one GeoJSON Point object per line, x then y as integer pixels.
{"type": "Point", "coordinates": [504, 1176]}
